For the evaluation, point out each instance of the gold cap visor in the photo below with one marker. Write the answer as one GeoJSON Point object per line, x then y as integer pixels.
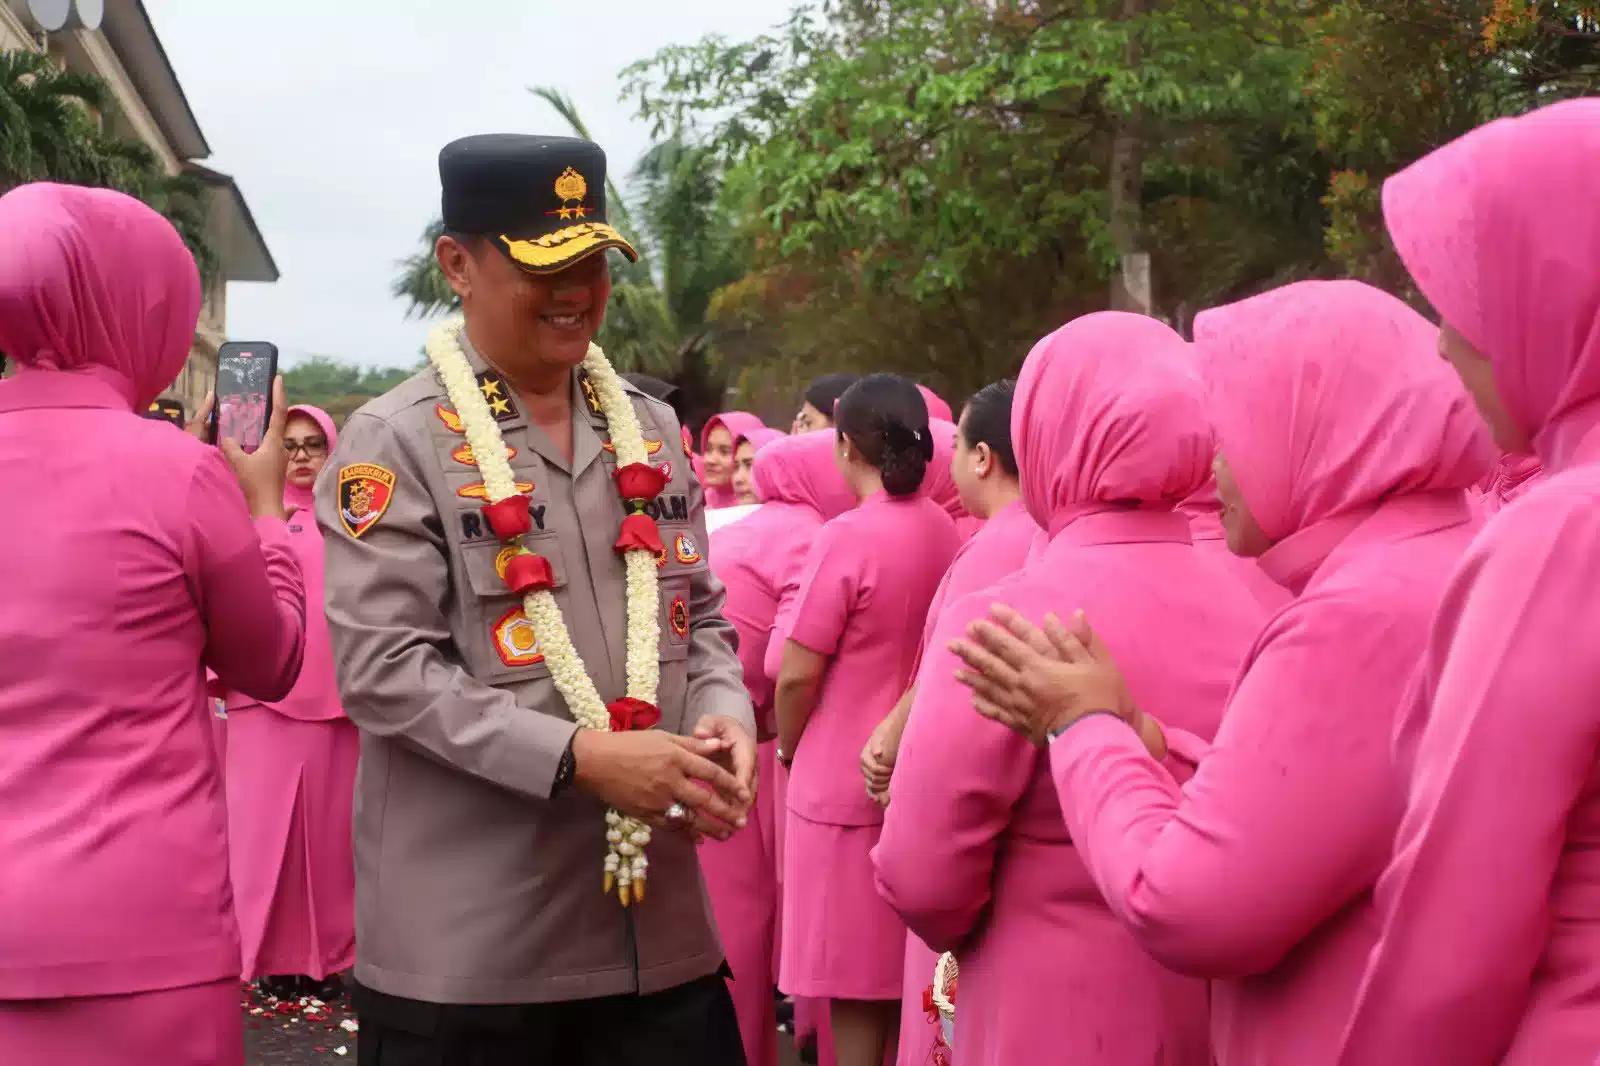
{"type": "Point", "coordinates": [555, 251]}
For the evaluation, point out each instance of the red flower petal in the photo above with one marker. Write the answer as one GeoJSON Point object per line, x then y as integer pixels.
{"type": "Point", "coordinates": [628, 714]}
{"type": "Point", "coordinates": [529, 572]}
{"type": "Point", "coordinates": [639, 481]}
{"type": "Point", "coordinates": [509, 518]}
{"type": "Point", "coordinates": [639, 531]}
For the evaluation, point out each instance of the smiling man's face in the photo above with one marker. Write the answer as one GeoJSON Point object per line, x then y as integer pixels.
{"type": "Point", "coordinates": [528, 324]}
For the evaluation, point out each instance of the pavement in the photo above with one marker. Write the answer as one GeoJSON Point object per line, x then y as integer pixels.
{"type": "Point", "coordinates": [309, 1032]}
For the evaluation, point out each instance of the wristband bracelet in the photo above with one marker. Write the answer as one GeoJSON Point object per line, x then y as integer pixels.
{"type": "Point", "coordinates": [1054, 733]}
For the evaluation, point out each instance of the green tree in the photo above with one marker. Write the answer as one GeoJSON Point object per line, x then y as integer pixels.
{"type": "Point", "coordinates": [49, 131]}
{"type": "Point", "coordinates": [338, 387]}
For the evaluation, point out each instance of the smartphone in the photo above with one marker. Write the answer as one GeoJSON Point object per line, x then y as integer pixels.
{"type": "Point", "coordinates": [167, 410]}
{"type": "Point", "coordinates": [244, 392]}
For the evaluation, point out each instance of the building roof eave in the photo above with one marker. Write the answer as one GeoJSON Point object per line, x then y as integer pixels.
{"type": "Point", "coordinates": [132, 36]}
{"type": "Point", "coordinates": [241, 248]}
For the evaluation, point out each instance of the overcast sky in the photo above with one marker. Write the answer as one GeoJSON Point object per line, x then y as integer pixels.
{"type": "Point", "coordinates": [331, 115]}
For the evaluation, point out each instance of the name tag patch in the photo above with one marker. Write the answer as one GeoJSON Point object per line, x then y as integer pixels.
{"type": "Point", "coordinates": [365, 492]}
{"type": "Point", "coordinates": [668, 508]}
{"type": "Point", "coordinates": [474, 527]}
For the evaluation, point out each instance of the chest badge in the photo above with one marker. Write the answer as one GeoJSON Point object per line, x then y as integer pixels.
{"type": "Point", "coordinates": [666, 470]}
{"type": "Point", "coordinates": [515, 641]}
{"type": "Point", "coordinates": [451, 420]}
{"type": "Point", "coordinates": [476, 491]}
{"type": "Point", "coordinates": [684, 547]}
{"type": "Point", "coordinates": [679, 616]}
{"type": "Point", "coordinates": [650, 446]}
{"type": "Point", "coordinates": [365, 492]}
{"type": "Point", "coordinates": [688, 441]}
{"type": "Point", "coordinates": [463, 454]}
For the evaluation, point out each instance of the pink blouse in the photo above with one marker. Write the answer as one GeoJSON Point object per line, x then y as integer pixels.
{"type": "Point", "coordinates": [139, 568]}
{"type": "Point", "coordinates": [869, 572]}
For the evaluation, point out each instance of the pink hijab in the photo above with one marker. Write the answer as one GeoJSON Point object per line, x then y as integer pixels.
{"type": "Point", "coordinates": [95, 283]}
{"type": "Point", "coordinates": [738, 424]}
{"type": "Point", "coordinates": [1329, 397]}
{"type": "Point", "coordinates": [758, 438]}
{"type": "Point", "coordinates": [937, 408]}
{"type": "Point", "coordinates": [938, 484]}
{"type": "Point", "coordinates": [1509, 254]}
{"type": "Point", "coordinates": [800, 471]}
{"type": "Point", "coordinates": [1092, 427]}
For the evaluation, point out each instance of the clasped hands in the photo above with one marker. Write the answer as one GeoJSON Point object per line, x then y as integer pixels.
{"type": "Point", "coordinates": [711, 775]}
{"type": "Point", "coordinates": [1039, 681]}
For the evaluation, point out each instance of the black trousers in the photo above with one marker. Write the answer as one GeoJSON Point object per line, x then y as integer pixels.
{"type": "Point", "coordinates": [691, 1025]}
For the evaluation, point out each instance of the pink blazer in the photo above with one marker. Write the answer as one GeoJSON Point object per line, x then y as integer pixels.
{"type": "Point", "coordinates": [146, 570]}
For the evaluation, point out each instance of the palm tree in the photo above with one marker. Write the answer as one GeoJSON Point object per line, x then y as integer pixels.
{"type": "Point", "coordinates": [49, 131]}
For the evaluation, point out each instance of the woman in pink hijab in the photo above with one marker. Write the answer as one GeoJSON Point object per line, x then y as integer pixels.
{"type": "Point", "coordinates": [1490, 950]}
{"type": "Point", "coordinates": [1110, 432]}
{"type": "Point", "coordinates": [744, 461]}
{"type": "Point", "coordinates": [799, 489]}
{"type": "Point", "coordinates": [291, 769]}
{"type": "Point", "coordinates": [117, 936]}
{"type": "Point", "coordinates": [1347, 452]}
{"type": "Point", "coordinates": [1204, 511]}
{"type": "Point", "coordinates": [717, 439]}
{"type": "Point", "coordinates": [847, 659]}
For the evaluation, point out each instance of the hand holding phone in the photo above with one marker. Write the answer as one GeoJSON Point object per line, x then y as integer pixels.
{"type": "Point", "coordinates": [262, 473]}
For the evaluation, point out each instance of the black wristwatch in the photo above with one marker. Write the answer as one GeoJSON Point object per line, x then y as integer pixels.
{"type": "Point", "coordinates": [566, 770]}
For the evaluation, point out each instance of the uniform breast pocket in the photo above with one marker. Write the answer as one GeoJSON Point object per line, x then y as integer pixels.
{"type": "Point", "coordinates": [505, 646]}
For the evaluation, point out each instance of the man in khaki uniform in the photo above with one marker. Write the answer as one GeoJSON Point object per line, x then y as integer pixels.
{"type": "Point", "coordinates": [484, 934]}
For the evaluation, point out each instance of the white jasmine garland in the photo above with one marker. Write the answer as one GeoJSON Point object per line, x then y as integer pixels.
{"type": "Point", "coordinates": [625, 864]}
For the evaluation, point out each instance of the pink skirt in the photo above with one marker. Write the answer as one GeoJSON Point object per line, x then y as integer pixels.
{"type": "Point", "coordinates": [840, 940]}
{"type": "Point", "coordinates": [196, 1026]}
{"type": "Point", "coordinates": [291, 788]}
{"type": "Point", "coordinates": [744, 899]}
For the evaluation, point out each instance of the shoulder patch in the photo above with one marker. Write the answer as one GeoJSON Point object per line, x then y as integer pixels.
{"type": "Point", "coordinates": [515, 641]}
{"type": "Point", "coordinates": [684, 547]}
{"type": "Point", "coordinates": [365, 492]}
{"type": "Point", "coordinates": [688, 442]}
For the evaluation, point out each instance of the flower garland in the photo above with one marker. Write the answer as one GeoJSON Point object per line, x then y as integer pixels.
{"type": "Point", "coordinates": [939, 1001]}
{"type": "Point", "coordinates": [530, 576]}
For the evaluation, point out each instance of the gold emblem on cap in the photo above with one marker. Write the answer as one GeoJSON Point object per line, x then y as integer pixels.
{"type": "Point", "coordinates": [570, 186]}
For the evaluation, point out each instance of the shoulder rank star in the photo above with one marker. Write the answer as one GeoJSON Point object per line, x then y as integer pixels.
{"type": "Point", "coordinates": [590, 396]}
{"type": "Point", "coordinates": [493, 387]}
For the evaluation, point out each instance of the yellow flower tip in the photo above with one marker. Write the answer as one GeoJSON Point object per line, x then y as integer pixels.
{"type": "Point", "coordinates": [623, 894]}
{"type": "Point", "coordinates": [610, 883]}
{"type": "Point", "coordinates": [638, 891]}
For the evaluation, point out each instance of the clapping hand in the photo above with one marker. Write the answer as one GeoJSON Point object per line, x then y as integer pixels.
{"type": "Point", "coordinates": [1039, 681]}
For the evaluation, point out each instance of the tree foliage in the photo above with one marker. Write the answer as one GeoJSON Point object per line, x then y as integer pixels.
{"type": "Point", "coordinates": [49, 131]}
{"type": "Point", "coordinates": [338, 387]}
{"type": "Point", "coordinates": [924, 185]}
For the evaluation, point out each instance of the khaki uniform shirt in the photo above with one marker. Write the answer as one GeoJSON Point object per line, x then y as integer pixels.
{"type": "Point", "coordinates": [472, 884]}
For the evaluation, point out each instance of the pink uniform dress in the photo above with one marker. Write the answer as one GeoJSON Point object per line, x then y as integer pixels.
{"type": "Point", "coordinates": [290, 776]}
{"type": "Point", "coordinates": [117, 935]}
{"type": "Point", "coordinates": [868, 572]}
{"type": "Point", "coordinates": [1490, 946]}
{"type": "Point", "coordinates": [1110, 432]}
{"type": "Point", "coordinates": [738, 424]}
{"type": "Point", "coordinates": [939, 484]}
{"type": "Point", "coordinates": [1353, 446]}
{"type": "Point", "coordinates": [998, 549]}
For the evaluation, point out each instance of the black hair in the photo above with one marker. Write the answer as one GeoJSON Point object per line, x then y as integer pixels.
{"type": "Point", "coordinates": [988, 421]}
{"type": "Point", "coordinates": [886, 418]}
{"type": "Point", "coordinates": [824, 392]}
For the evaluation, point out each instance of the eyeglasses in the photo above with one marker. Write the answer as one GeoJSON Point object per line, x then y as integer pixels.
{"type": "Point", "coordinates": [315, 448]}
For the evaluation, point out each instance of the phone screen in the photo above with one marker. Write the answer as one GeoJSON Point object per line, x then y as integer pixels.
{"type": "Point", "coordinates": [244, 393]}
